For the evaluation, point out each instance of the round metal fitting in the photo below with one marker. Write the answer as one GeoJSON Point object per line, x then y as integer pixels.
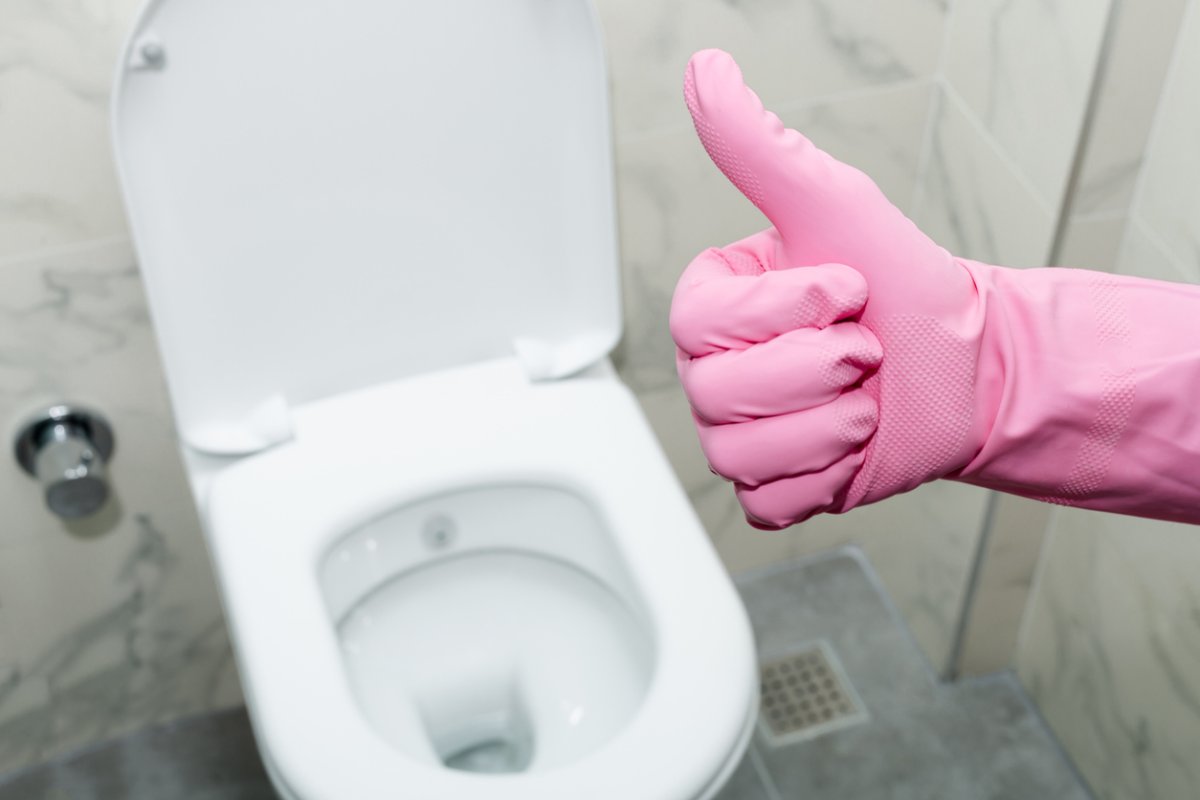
{"type": "Point", "coordinates": [66, 447]}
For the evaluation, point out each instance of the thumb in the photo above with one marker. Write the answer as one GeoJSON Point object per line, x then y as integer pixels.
{"type": "Point", "coordinates": [773, 166]}
{"type": "Point", "coordinates": [825, 211]}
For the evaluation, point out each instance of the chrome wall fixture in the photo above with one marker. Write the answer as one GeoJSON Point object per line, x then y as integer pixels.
{"type": "Point", "coordinates": [66, 447]}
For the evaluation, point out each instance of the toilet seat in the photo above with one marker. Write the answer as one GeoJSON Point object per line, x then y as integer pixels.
{"type": "Point", "coordinates": [697, 711]}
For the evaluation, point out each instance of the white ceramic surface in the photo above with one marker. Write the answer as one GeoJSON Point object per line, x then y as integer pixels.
{"type": "Point", "coordinates": [268, 547]}
{"type": "Point", "coordinates": [313, 212]}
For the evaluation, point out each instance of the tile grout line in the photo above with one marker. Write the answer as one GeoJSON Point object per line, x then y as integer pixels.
{"type": "Point", "coordinates": [1006, 161]}
{"type": "Point", "coordinates": [1142, 225]}
{"type": "Point", "coordinates": [951, 669]}
{"type": "Point", "coordinates": [1192, 9]}
{"type": "Point", "coordinates": [1083, 136]}
{"type": "Point", "coordinates": [764, 774]}
{"type": "Point", "coordinates": [1041, 565]}
{"type": "Point", "coordinates": [933, 114]}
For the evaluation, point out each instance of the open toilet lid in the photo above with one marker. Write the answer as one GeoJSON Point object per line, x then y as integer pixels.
{"type": "Point", "coordinates": [329, 194]}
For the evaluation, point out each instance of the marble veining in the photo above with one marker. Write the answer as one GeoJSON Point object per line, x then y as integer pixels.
{"type": "Point", "coordinates": [875, 58]}
{"type": "Point", "coordinates": [66, 316]}
{"type": "Point", "coordinates": [166, 665]}
{"type": "Point", "coordinates": [1025, 68]}
{"type": "Point", "coordinates": [972, 201]}
{"type": "Point", "coordinates": [56, 60]}
{"type": "Point", "coordinates": [110, 622]}
{"type": "Point", "coordinates": [1111, 652]}
{"type": "Point", "coordinates": [789, 51]}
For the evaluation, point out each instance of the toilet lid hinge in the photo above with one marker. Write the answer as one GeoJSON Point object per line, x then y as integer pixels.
{"type": "Point", "coordinates": [265, 425]}
{"type": "Point", "coordinates": [545, 360]}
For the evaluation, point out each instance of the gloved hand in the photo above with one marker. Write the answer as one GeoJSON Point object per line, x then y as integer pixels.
{"type": "Point", "coordinates": [1066, 385]}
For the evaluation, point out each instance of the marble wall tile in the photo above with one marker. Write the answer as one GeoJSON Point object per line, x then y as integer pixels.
{"type": "Point", "coordinates": [882, 132]}
{"type": "Point", "coordinates": [1110, 652]}
{"type": "Point", "coordinates": [1169, 198]}
{"type": "Point", "coordinates": [1025, 68]}
{"type": "Point", "coordinates": [114, 621]}
{"type": "Point", "coordinates": [787, 50]}
{"type": "Point", "coordinates": [672, 204]}
{"type": "Point", "coordinates": [1009, 558]}
{"type": "Point", "coordinates": [973, 201]}
{"type": "Point", "coordinates": [1143, 254]}
{"type": "Point", "coordinates": [670, 416]}
{"type": "Point", "coordinates": [8, 648]}
{"type": "Point", "coordinates": [75, 327]}
{"type": "Point", "coordinates": [1111, 642]}
{"type": "Point", "coordinates": [1093, 241]}
{"type": "Point", "coordinates": [57, 183]}
{"type": "Point", "coordinates": [1142, 39]}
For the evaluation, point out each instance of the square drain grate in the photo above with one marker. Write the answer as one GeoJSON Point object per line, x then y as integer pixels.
{"type": "Point", "coordinates": [806, 694]}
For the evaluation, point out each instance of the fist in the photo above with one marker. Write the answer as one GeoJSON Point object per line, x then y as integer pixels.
{"type": "Point", "coordinates": [779, 347]}
{"type": "Point", "coordinates": [773, 363]}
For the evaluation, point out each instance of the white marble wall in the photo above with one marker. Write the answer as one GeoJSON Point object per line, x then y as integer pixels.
{"type": "Point", "coordinates": [1016, 80]}
{"type": "Point", "coordinates": [111, 623]}
{"type": "Point", "coordinates": [1111, 646]}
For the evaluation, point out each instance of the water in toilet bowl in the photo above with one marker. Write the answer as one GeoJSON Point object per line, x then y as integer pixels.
{"type": "Point", "coordinates": [510, 661]}
{"type": "Point", "coordinates": [490, 628]}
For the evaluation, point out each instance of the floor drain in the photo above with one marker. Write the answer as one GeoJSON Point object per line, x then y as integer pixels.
{"type": "Point", "coordinates": [806, 694]}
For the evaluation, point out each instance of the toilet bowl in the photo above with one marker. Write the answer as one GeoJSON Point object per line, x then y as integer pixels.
{"type": "Point", "coordinates": [378, 245]}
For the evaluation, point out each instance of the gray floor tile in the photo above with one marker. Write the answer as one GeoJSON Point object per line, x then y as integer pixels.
{"type": "Point", "coordinates": [976, 740]}
{"type": "Point", "coordinates": [205, 758]}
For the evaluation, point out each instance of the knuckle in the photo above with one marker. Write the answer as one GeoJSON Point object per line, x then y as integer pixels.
{"type": "Point", "coordinates": [763, 512]}
{"type": "Point", "coordinates": [705, 392]}
{"type": "Point", "coordinates": [857, 418]}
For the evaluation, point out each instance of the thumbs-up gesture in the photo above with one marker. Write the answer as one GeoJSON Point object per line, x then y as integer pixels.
{"type": "Point", "coordinates": [832, 360]}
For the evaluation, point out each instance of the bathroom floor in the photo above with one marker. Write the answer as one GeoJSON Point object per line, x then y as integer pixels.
{"type": "Point", "coordinates": [977, 739]}
{"type": "Point", "coordinates": [876, 724]}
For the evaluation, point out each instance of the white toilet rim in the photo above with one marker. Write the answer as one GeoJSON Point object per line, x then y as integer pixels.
{"type": "Point", "coordinates": [694, 715]}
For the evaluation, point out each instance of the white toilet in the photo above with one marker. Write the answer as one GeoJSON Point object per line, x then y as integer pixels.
{"type": "Point", "coordinates": [378, 242]}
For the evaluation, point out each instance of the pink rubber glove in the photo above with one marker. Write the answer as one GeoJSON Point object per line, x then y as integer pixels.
{"type": "Point", "coordinates": [1065, 385]}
